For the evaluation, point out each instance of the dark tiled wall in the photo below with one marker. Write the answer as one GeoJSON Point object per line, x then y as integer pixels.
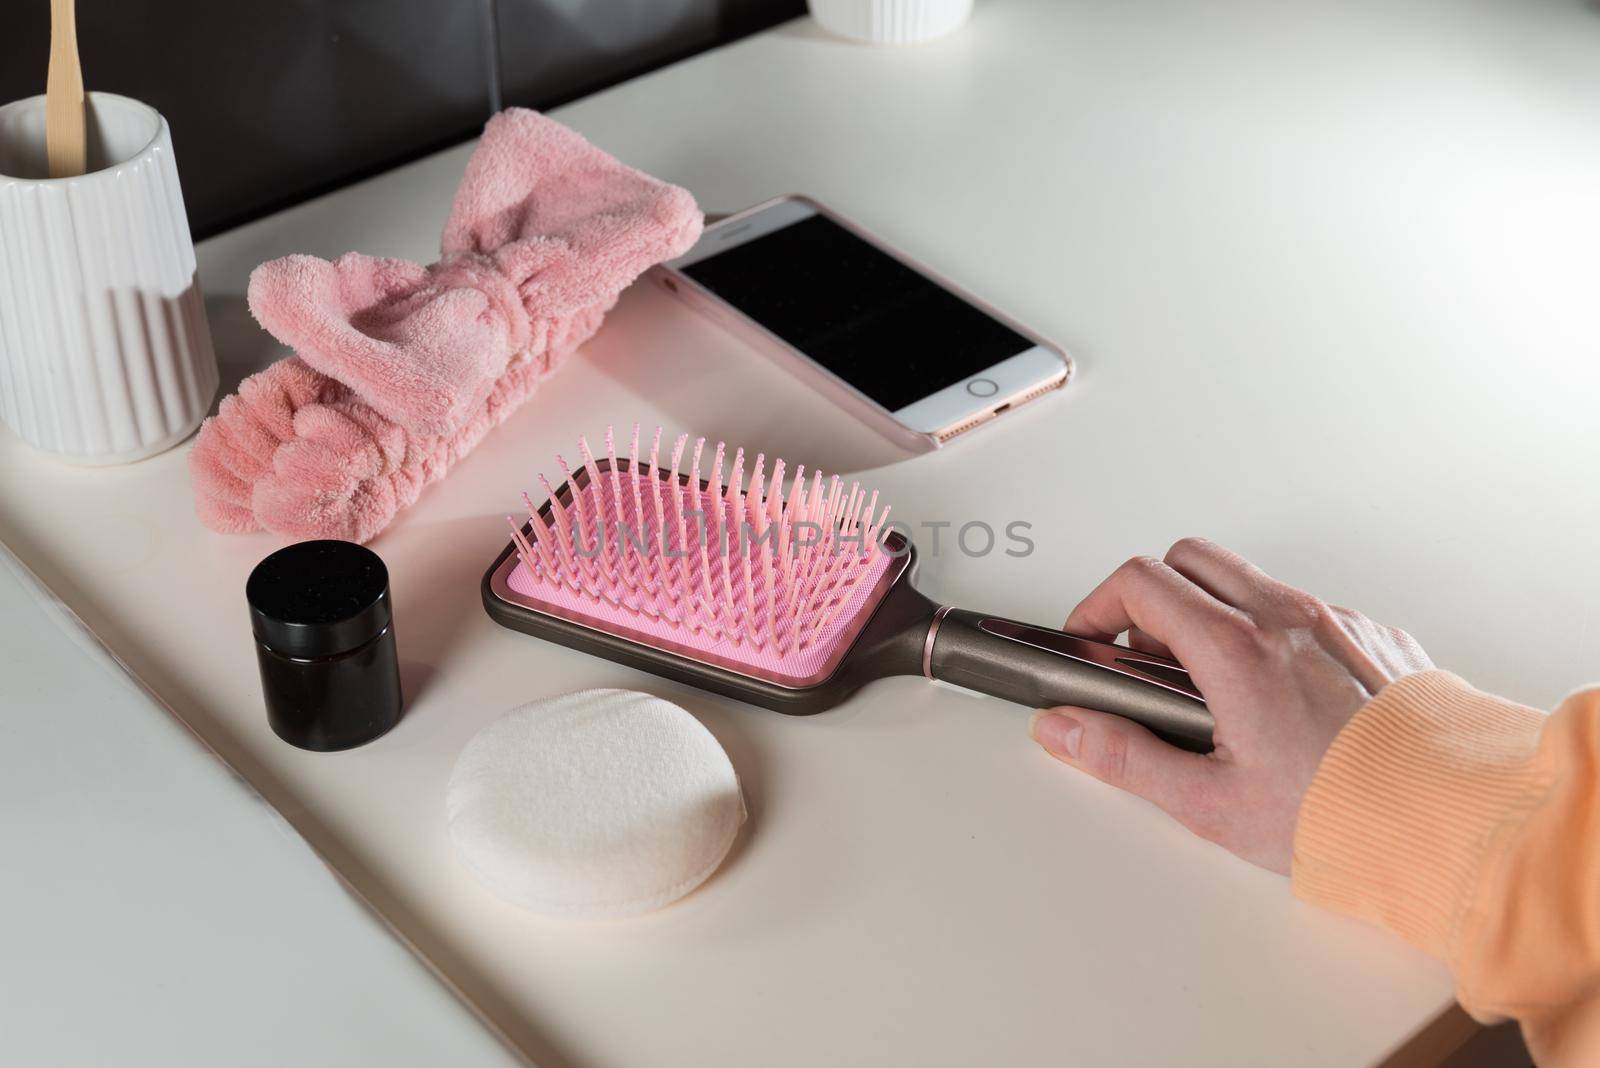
{"type": "Point", "coordinates": [271, 103]}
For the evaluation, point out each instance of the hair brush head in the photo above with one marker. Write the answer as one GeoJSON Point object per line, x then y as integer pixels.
{"type": "Point", "coordinates": [728, 570]}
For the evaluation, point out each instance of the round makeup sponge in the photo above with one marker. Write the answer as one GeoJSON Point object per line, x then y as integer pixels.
{"type": "Point", "coordinates": [595, 804]}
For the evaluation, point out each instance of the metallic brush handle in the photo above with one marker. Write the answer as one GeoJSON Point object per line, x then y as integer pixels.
{"type": "Point", "coordinates": [1043, 668]}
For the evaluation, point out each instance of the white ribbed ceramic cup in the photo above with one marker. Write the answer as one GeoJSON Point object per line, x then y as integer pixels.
{"type": "Point", "coordinates": [891, 21]}
{"type": "Point", "coordinates": [105, 355]}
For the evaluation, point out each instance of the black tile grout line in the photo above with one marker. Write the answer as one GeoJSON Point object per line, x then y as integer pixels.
{"type": "Point", "coordinates": [491, 55]}
{"type": "Point", "coordinates": [428, 148]}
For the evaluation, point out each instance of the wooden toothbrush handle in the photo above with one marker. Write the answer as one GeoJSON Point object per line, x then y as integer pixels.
{"type": "Point", "coordinates": [66, 141]}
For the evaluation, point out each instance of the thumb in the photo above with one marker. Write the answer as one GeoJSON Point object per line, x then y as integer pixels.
{"type": "Point", "coordinates": [1124, 754]}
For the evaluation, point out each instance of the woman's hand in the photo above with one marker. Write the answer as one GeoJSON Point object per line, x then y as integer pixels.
{"type": "Point", "coordinates": [1281, 671]}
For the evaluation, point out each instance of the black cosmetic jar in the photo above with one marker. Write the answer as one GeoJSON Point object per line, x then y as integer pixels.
{"type": "Point", "coordinates": [324, 632]}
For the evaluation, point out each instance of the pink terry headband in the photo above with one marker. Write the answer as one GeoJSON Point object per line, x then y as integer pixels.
{"type": "Point", "coordinates": [399, 370]}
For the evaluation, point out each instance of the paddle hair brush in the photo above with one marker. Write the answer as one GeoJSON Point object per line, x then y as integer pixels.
{"type": "Point", "coordinates": [789, 600]}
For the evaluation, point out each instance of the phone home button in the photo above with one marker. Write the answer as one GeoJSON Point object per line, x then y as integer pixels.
{"type": "Point", "coordinates": [982, 387]}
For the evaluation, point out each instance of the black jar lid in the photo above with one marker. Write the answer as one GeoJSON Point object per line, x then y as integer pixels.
{"type": "Point", "coordinates": [318, 598]}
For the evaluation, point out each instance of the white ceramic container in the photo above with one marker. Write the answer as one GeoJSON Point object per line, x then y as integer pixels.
{"type": "Point", "coordinates": [105, 355]}
{"type": "Point", "coordinates": [891, 21]}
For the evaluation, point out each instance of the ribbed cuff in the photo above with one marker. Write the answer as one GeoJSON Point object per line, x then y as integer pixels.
{"type": "Point", "coordinates": [1406, 804]}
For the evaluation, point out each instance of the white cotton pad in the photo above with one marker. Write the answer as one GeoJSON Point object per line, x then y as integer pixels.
{"type": "Point", "coordinates": [595, 804]}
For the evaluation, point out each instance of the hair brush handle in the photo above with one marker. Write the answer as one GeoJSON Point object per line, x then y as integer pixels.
{"type": "Point", "coordinates": [1043, 668]}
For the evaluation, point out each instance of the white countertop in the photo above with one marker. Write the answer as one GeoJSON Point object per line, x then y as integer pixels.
{"type": "Point", "coordinates": [1327, 271]}
{"type": "Point", "coordinates": [156, 912]}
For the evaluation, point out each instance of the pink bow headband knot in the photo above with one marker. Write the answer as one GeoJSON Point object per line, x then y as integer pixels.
{"type": "Point", "coordinates": [409, 365]}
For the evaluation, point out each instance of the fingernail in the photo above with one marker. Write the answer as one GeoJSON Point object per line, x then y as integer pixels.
{"type": "Point", "coordinates": [1058, 733]}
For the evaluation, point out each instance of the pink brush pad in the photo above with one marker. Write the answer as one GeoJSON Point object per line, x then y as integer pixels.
{"type": "Point", "coordinates": [847, 605]}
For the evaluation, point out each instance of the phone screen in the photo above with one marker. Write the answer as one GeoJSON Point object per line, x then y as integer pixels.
{"type": "Point", "coordinates": [870, 319]}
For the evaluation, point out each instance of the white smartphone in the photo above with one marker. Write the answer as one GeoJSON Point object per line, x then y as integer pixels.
{"type": "Point", "coordinates": [913, 354]}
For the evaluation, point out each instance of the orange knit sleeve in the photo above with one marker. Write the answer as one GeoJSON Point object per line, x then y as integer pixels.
{"type": "Point", "coordinates": [1470, 826]}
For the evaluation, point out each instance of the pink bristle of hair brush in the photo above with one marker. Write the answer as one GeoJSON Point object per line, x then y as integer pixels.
{"type": "Point", "coordinates": [727, 563]}
{"type": "Point", "coordinates": [791, 598]}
